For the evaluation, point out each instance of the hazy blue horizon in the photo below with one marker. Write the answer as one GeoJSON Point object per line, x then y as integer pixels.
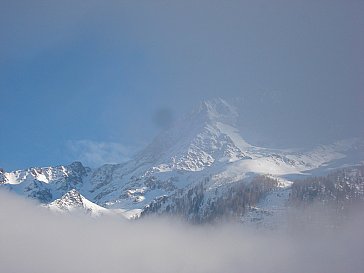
{"type": "Point", "coordinates": [96, 81]}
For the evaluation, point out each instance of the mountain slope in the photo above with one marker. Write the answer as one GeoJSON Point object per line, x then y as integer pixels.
{"type": "Point", "coordinates": [46, 184]}
{"type": "Point", "coordinates": [206, 144]}
{"type": "Point", "coordinates": [205, 147]}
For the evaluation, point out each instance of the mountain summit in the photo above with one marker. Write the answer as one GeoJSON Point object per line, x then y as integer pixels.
{"type": "Point", "coordinates": [216, 110]}
{"type": "Point", "coordinates": [204, 136]}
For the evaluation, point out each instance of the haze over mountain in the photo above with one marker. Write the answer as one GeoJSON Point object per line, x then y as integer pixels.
{"type": "Point", "coordinates": [188, 169]}
{"type": "Point", "coordinates": [79, 80]}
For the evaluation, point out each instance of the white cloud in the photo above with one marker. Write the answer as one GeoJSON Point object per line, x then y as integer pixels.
{"type": "Point", "coordinates": [93, 153]}
{"type": "Point", "coordinates": [35, 240]}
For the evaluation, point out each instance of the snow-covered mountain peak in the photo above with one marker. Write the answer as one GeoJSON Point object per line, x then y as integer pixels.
{"type": "Point", "coordinates": [73, 200]}
{"type": "Point", "coordinates": [46, 183]}
{"type": "Point", "coordinates": [47, 174]}
{"type": "Point", "coordinates": [204, 136]}
{"type": "Point", "coordinates": [215, 110]}
{"type": "Point", "coordinates": [70, 198]}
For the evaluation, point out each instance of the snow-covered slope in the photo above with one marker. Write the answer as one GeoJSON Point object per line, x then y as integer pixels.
{"type": "Point", "coordinates": [74, 201]}
{"type": "Point", "coordinates": [271, 211]}
{"type": "Point", "coordinates": [206, 146]}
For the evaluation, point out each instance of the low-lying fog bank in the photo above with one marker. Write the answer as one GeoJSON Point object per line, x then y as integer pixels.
{"type": "Point", "coordinates": [34, 240]}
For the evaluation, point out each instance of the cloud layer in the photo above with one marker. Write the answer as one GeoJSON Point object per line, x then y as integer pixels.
{"type": "Point", "coordinates": [34, 240]}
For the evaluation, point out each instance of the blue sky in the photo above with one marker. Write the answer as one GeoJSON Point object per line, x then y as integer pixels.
{"type": "Point", "coordinates": [84, 80]}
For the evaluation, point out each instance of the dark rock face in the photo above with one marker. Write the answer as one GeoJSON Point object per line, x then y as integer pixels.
{"type": "Point", "coordinates": [2, 176]}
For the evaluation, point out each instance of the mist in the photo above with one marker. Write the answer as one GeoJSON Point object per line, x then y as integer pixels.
{"type": "Point", "coordinates": [34, 240]}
